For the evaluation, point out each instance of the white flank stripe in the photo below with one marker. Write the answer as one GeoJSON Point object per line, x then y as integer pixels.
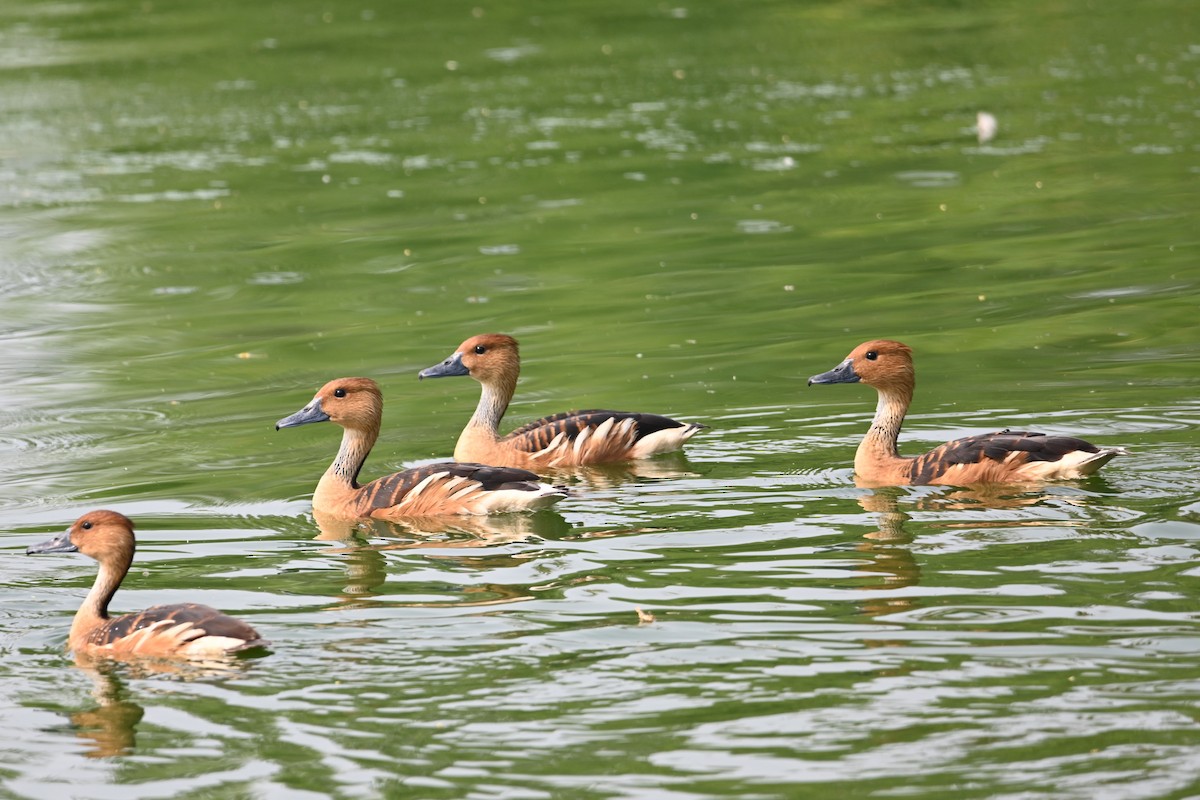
{"type": "Point", "coordinates": [604, 429]}
{"type": "Point", "coordinates": [581, 439]}
{"type": "Point", "coordinates": [141, 635]}
{"type": "Point", "coordinates": [554, 443]}
{"type": "Point", "coordinates": [178, 630]}
{"type": "Point", "coordinates": [472, 486]}
{"type": "Point", "coordinates": [420, 487]}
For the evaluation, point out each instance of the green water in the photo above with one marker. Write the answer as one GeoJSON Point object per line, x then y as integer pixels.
{"type": "Point", "coordinates": [209, 209]}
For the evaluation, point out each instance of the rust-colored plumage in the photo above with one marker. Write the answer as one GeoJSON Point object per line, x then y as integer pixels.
{"type": "Point", "coordinates": [356, 404]}
{"type": "Point", "coordinates": [1003, 457]}
{"type": "Point", "coordinates": [593, 436]}
{"type": "Point", "coordinates": [182, 630]}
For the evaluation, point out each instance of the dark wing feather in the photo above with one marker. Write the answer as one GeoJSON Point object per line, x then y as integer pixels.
{"type": "Point", "coordinates": [537, 435]}
{"type": "Point", "coordinates": [495, 478]}
{"type": "Point", "coordinates": [212, 621]}
{"type": "Point", "coordinates": [390, 490]}
{"type": "Point", "coordinates": [995, 447]}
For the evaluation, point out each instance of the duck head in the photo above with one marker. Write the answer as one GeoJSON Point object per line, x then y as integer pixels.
{"type": "Point", "coordinates": [355, 403]}
{"type": "Point", "coordinates": [97, 534]}
{"type": "Point", "coordinates": [880, 363]}
{"type": "Point", "coordinates": [488, 358]}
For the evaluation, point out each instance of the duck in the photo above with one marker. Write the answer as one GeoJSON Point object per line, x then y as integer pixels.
{"type": "Point", "coordinates": [432, 490]}
{"type": "Point", "coordinates": [569, 439]}
{"type": "Point", "coordinates": [181, 630]}
{"type": "Point", "coordinates": [1006, 456]}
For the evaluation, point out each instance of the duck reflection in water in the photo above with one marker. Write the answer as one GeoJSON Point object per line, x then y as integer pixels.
{"type": "Point", "coordinates": [367, 571]}
{"type": "Point", "coordinates": [893, 565]}
{"type": "Point", "coordinates": [894, 562]}
{"type": "Point", "coordinates": [365, 543]}
{"type": "Point", "coordinates": [458, 531]}
{"type": "Point", "coordinates": [666, 467]}
{"type": "Point", "coordinates": [109, 729]}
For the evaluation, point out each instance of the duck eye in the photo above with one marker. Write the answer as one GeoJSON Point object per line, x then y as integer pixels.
{"type": "Point", "coordinates": [872, 355]}
{"type": "Point", "coordinates": [87, 526]}
{"type": "Point", "coordinates": [339, 392]}
{"type": "Point", "coordinates": [480, 349]}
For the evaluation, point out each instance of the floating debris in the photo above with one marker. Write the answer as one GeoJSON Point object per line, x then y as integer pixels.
{"type": "Point", "coordinates": [985, 127]}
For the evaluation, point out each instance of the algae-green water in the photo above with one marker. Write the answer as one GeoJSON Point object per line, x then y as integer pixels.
{"type": "Point", "coordinates": [210, 209]}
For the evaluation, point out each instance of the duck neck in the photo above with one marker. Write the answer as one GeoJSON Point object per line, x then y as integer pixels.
{"type": "Point", "coordinates": [342, 474]}
{"type": "Point", "coordinates": [94, 609]}
{"type": "Point", "coordinates": [493, 402]}
{"type": "Point", "coordinates": [878, 448]}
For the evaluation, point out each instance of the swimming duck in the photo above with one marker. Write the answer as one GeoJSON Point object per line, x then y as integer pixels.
{"type": "Point", "coordinates": [356, 404]}
{"type": "Point", "coordinates": [568, 439]}
{"type": "Point", "coordinates": [1003, 457]}
{"type": "Point", "coordinates": [181, 630]}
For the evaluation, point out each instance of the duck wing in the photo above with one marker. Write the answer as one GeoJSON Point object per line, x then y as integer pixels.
{"type": "Point", "coordinates": [164, 629]}
{"type": "Point", "coordinates": [591, 436]}
{"type": "Point", "coordinates": [1009, 455]}
{"type": "Point", "coordinates": [454, 487]}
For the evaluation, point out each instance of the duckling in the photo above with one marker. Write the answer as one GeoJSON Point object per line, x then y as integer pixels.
{"type": "Point", "coordinates": [1003, 457]}
{"type": "Point", "coordinates": [568, 439]}
{"type": "Point", "coordinates": [181, 630]}
{"type": "Point", "coordinates": [356, 404]}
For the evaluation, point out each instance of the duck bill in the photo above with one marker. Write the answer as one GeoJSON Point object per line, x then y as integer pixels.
{"type": "Point", "coordinates": [59, 544]}
{"type": "Point", "coordinates": [842, 373]}
{"type": "Point", "coordinates": [451, 367]}
{"type": "Point", "coordinates": [310, 413]}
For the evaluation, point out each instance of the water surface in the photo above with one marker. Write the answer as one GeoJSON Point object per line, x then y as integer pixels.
{"type": "Point", "coordinates": [209, 210]}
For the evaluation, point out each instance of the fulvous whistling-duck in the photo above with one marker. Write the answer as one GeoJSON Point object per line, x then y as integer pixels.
{"type": "Point", "coordinates": [356, 404]}
{"type": "Point", "coordinates": [181, 630]}
{"type": "Point", "coordinates": [569, 439]}
{"type": "Point", "coordinates": [1004, 457]}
